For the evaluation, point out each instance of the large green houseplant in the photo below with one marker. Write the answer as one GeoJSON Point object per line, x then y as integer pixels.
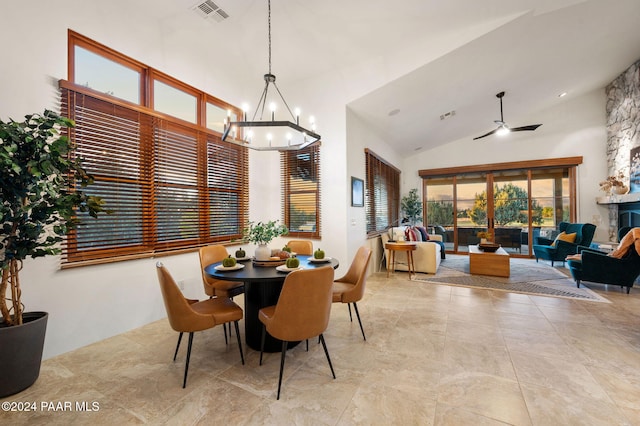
{"type": "Point", "coordinates": [411, 205]}
{"type": "Point", "coordinates": [41, 188]}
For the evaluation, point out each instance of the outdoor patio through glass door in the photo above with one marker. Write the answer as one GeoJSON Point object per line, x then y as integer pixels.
{"type": "Point", "coordinates": [514, 206]}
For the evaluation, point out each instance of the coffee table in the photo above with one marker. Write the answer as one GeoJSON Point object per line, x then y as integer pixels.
{"type": "Point", "coordinates": [486, 263]}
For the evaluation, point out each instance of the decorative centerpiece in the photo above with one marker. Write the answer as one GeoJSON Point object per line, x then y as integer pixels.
{"type": "Point", "coordinates": [262, 233]}
{"type": "Point", "coordinates": [615, 184]}
{"type": "Point", "coordinates": [484, 236]}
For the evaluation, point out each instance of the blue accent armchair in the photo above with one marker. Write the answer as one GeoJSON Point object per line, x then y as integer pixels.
{"type": "Point", "coordinates": [558, 252]}
{"type": "Point", "coordinates": [597, 267]}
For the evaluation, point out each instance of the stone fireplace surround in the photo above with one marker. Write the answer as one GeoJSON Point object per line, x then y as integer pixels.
{"type": "Point", "coordinates": [623, 135]}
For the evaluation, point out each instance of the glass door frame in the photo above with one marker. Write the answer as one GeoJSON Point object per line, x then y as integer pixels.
{"type": "Point", "coordinates": [526, 167]}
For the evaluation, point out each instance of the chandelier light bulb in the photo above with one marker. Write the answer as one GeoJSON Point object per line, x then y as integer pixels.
{"type": "Point", "coordinates": [233, 124]}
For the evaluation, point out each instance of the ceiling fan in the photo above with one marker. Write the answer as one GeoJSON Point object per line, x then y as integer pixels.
{"type": "Point", "coordinates": [502, 128]}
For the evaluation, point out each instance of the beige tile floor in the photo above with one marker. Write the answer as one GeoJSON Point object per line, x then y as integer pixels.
{"type": "Point", "coordinates": [434, 355]}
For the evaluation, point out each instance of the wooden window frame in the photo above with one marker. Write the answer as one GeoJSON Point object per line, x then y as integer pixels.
{"type": "Point", "coordinates": [378, 168]}
{"type": "Point", "coordinates": [287, 163]}
{"type": "Point", "coordinates": [148, 151]}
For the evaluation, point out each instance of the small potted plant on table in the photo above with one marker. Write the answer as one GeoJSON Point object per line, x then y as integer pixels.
{"type": "Point", "coordinates": [262, 233]}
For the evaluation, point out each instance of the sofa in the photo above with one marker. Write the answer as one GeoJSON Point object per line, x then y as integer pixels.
{"type": "Point", "coordinates": [426, 257]}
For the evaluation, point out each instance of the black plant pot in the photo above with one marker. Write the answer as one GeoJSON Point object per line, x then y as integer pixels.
{"type": "Point", "coordinates": [21, 352]}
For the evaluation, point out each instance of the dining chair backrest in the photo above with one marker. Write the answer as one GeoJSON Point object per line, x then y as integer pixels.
{"type": "Point", "coordinates": [356, 275]}
{"type": "Point", "coordinates": [304, 305]}
{"type": "Point", "coordinates": [303, 247]}
{"type": "Point", "coordinates": [181, 316]}
{"type": "Point", "coordinates": [208, 255]}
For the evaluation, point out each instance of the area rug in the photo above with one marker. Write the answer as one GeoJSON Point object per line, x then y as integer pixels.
{"type": "Point", "coordinates": [527, 277]}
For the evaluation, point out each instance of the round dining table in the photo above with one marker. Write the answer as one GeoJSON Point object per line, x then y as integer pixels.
{"type": "Point", "coordinates": [262, 285]}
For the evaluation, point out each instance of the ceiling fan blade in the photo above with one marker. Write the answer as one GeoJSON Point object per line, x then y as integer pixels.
{"type": "Point", "coordinates": [524, 128]}
{"type": "Point", "coordinates": [486, 134]}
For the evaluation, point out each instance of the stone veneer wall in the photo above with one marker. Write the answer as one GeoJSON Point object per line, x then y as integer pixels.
{"type": "Point", "coordinates": [623, 128]}
{"type": "Point", "coordinates": [623, 119]}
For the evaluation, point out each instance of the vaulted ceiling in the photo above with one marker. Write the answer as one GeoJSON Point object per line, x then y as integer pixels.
{"type": "Point", "coordinates": [427, 58]}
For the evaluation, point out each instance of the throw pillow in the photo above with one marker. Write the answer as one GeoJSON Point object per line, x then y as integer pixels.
{"type": "Point", "coordinates": [563, 236]}
{"type": "Point", "coordinates": [423, 233]}
{"type": "Point", "coordinates": [411, 234]}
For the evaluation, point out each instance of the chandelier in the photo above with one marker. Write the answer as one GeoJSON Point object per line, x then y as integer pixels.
{"type": "Point", "coordinates": [269, 134]}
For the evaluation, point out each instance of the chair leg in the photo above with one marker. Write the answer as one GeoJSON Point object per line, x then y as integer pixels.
{"type": "Point", "coordinates": [355, 306]}
{"type": "Point", "coordinates": [349, 306]}
{"type": "Point", "coordinates": [628, 290]}
{"type": "Point", "coordinates": [326, 352]}
{"type": "Point", "coordinates": [224, 327]}
{"type": "Point", "coordinates": [186, 365]}
{"type": "Point", "coordinates": [578, 283]}
{"type": "Point", "coordinates": [177, 346]}
{"type": "Point", "coordinates": [239, 342]}
{"type": "Point", "coordinates": [307, 340]}
{"type": "Point", "coordinates": [282, 357]}
{"type": "Point", "coordinates": [264, 332]}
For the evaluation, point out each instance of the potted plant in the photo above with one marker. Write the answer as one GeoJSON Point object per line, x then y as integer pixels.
{"type": "Point", "coordinates": [411, 205]}
{"type": "Point", "coordinates": [485, 236]}
{"type": "Point", "coordinates": [262, 233]}
{"type": "Point", "coordinates": [41, 185]}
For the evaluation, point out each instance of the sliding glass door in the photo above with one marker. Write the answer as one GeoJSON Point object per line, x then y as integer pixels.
{"type": "Point", "coordinates": [514, 205]}
{"type": "Point", "coordinates": [471, 209]}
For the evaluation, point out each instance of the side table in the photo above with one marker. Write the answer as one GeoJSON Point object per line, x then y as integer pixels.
{"type": "Point", "coordinates": [407, 247]}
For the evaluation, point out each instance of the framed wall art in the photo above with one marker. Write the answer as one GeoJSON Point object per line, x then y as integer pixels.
{"type": "Point", "coordinates": [634, 170]}
{"type": "Point", "coordinates": [357, 192]}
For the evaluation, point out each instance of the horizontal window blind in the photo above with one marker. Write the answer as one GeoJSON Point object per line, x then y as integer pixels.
{"type": "Point", "coordinates": [170, 185]}
{"type": "Point", "coordinates": [300, 171]}
{"type": "Point", "coordinates": [382, 195]}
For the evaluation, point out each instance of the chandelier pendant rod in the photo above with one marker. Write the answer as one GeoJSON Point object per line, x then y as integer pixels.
{"type": "Point", "coordinates": [309, 136]}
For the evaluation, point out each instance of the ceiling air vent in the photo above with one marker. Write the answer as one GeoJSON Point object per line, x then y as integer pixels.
{"type": "Point", "coordinates": [447, 115]}
{"type": "Point", "coordinates": [210, 11]}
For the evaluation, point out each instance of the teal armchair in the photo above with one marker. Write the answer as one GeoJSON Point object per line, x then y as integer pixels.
{"type": "Point", "coordinates": [558, 252]}
{"type": "Point", "coordinates": [597, 267]}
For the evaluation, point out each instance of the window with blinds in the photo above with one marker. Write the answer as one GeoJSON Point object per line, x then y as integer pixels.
{"type": "Point", "coordinates": [300, 172]}
{"type": "Point", "coordinates": [382, 195]}
{"type": "Point", "coordinates": [171, 184]}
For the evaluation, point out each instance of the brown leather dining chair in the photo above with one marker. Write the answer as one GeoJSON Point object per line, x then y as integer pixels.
{"type": "Point", "coordinates": [350, 288]}
{"type": "Point", "coordinates": [188, 316]}
{"type": "Point", "coordinates": [302, 311]}
{"type": "Point", "coordinates": [218, 288]}
{"type": "Point", "coordinates": [303, 247]}
{"type": "Point", "coordinates": [212, 287]}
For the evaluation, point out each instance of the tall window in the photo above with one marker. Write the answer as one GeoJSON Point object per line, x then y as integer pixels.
{"type": "Point", "coordinates": [382, 198]}
{"type": "Point", "coordinates": [301, 191]}
{"type": "Point", "coordinates": [171, 181]}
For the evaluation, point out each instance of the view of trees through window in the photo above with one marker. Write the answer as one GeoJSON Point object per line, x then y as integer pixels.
{"type": "Point", "coordinates": [512, 204]}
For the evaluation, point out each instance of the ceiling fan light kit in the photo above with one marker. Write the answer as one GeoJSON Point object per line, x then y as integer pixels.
{"type": "Point", "coordinates": [503, 128]}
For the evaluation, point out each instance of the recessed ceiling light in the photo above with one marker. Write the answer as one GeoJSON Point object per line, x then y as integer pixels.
{"type": "Point", "coordinates": [562, 95]}
{"type": "Point", "coordinates": [394, 112]}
